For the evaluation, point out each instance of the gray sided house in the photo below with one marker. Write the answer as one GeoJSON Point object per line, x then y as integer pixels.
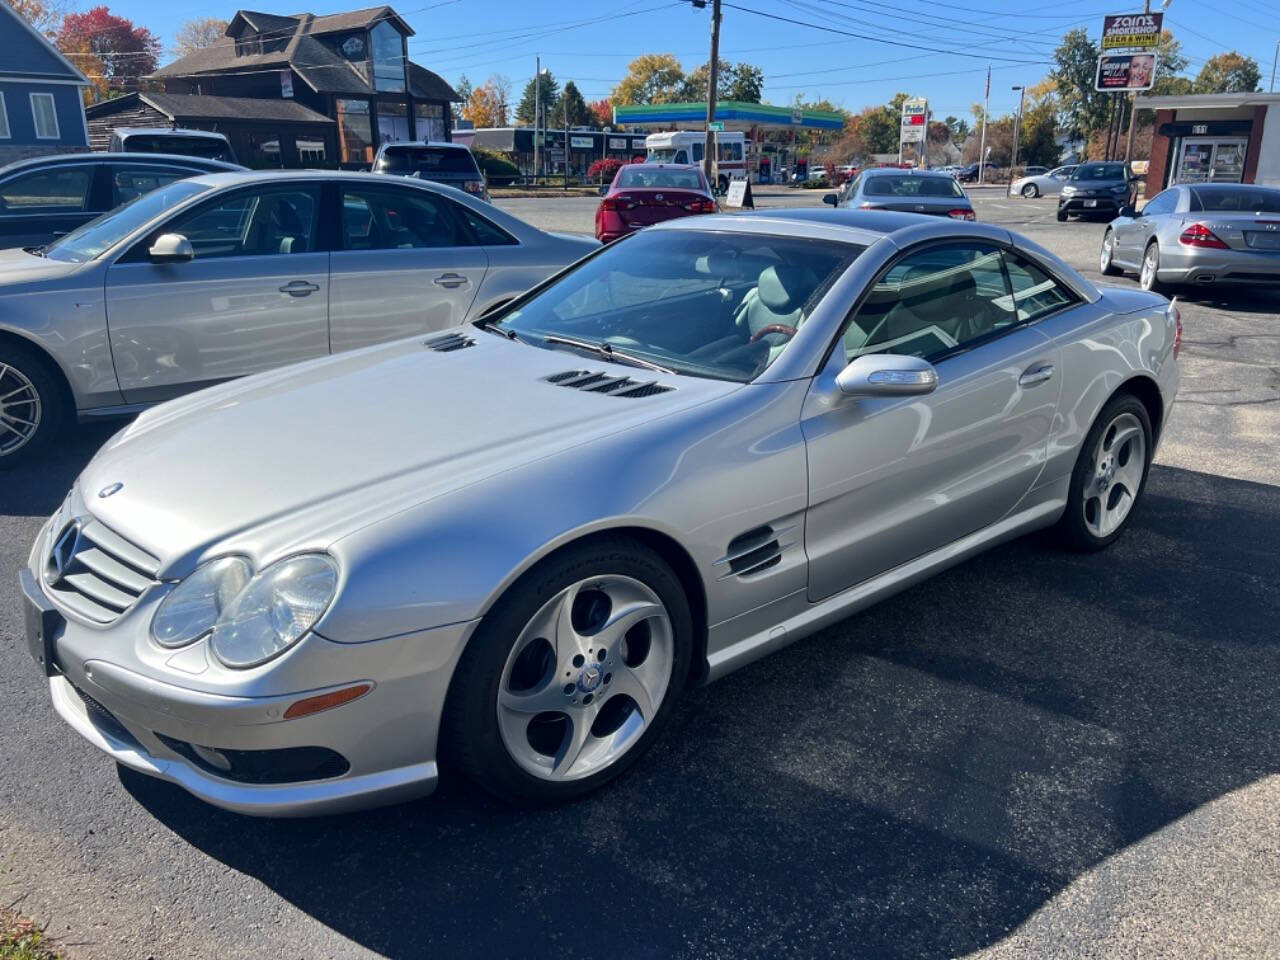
{"type": "Point", "coordinates": [299, 91]}
{"type": "Point", "coordinates": [41, 108]}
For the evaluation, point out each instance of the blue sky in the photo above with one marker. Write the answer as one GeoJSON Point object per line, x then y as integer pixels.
{"type": "Point", "coordinates": [591, 43]}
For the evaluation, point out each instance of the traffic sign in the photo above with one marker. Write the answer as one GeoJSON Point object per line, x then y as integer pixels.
{"type": "Point", "coordinates": [716, 126]}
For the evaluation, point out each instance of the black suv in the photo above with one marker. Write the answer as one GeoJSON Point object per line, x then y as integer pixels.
{"type": "Point", "coordinates": [45, 197]}
{"type": "Point", "coordinates": [449, 163]}
{"type": "Point", "coordinates": [1096, 188]}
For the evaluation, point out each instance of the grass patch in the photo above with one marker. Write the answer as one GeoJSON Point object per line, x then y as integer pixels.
{"type": "Point", "coordinates": [20, 939]}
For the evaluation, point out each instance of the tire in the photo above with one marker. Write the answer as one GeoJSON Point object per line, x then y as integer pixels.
{"type": "Point", "coordinates": [537, 720]}
{"type": "Point", "coordinates": [1148, 278]}
{"type": "Point", "coordinates": [1106, 258]}
{"type": "Point", "coordinates": [33, 405]}
{"type": "Point", "coordinates": [1062, 215]}
{"type": "Point", "coordinates": [1031, 191]}
{"type": "Point", "coordinates": [1113, 465]}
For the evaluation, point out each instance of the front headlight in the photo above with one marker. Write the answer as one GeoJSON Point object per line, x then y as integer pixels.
{"type": "Point", "coordinates": [191, 610]}
{"type": "Point", "coordinates": [276, 610]}
{"type": "Point", "coordinates": [1068, 191]}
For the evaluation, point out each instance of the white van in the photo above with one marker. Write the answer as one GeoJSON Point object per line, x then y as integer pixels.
{"type": "Point", "coordinates": [688, 146]}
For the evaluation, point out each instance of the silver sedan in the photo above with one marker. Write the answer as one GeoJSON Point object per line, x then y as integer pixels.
{"type": "Point", "coordinates": [520, 542]}
{"type": "Point", "coordinates": [1042, 184]}
{"type": "Point", "coordinates": [224, 275]}
{"type": "Point", "coordinates": [1203, 234]}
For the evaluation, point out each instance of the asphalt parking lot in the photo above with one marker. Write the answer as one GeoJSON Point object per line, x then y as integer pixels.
{"type": "Point", "coordinates": [1034, 754]}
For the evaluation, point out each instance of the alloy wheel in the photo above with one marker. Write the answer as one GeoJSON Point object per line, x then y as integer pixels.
{"type": "Point", "coordinates": [1030, 191]}
{"type": "Point", "coordinates": [1108, 251]}
{"type": "Point", "coordinates": [1115, 475]}
{"type": "Point", "coordinates": [20, 409]}
{"type": "Point", "coordinates": [585, 678]}
{"type": "Point", "coordinates": [1150, 264]}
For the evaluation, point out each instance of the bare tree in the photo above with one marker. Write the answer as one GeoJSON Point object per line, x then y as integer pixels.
{"type": "Point", "coordinates": [198, 33]}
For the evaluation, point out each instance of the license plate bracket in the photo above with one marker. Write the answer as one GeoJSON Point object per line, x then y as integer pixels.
{"type": "Point", "coordinates": [1262, 239]}
{"type": "Point", "coordinates": [44, 624]}
{"type": "Point", "coordinates": [1091, 203]}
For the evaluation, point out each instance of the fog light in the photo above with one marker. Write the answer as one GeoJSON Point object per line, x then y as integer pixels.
{"type": "Point", "coordinates": [326, 701]}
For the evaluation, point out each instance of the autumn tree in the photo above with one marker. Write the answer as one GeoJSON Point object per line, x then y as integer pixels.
{"type": "Point", "coordinates": [544, 91]}
{"type": "Point", "coordinates": [488, 106]}
{"type": "Point", "coordinates": [603, 109]}
{"type": "Point", "coordinates": [1228, 73]}
{"type": "Point", "coordinates": [112, 52]}
{"type": "Point", "coordinates": [199, 33]}
{"type": "Point", "coordinates": [45, 15]}
{"type": "Point", "coordinates": [651, 78]}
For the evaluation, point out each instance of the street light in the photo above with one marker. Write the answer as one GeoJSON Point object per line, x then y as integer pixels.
{"type": "Point", "coordinates": [537, 110]}
{"type": "Point", "coordinates": [1017, 127]}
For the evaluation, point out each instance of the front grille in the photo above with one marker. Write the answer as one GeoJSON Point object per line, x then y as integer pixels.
{"type": "Point", "coordinates": [598, 382]}
{"type": "Point", "coordinates": [95, 573]}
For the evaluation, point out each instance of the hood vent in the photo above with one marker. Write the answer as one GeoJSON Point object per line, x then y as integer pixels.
{"type": "Point", "coordinates": [755, 551]}
{"type": "Point", "coordinates": [449, 342]}
{"type": "Point", "coordinates": [597, 382]}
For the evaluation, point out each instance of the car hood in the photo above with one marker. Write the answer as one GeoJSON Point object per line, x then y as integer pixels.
{"type": "Point", "coordinates": [17, 267]}
{"type": "Point", "coordinates": [297, 458]}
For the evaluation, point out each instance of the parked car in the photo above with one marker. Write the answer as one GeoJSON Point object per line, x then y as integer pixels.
{"type": "Point", "coordinates": [643, 194]}
{"type": "Point", "coordinates": [1204, 233]}
{"type": "Point", "coordinates": [1095, 188]}
{"type": "Point", "coordinates": [969, 173]}
{"type": "Point", "coordinates": [908, 191]}
{"type": "Point", "coordinates": [521, 541]}
{"type": "Point", "coordinates": [448, 163]}
{"type": "Point", "coordinates": [226, 274]}
{"type": "Point", "coordinates": [1032, 185]}
{"type": "Point", "coordinates": [1034, 171]}
{"type": "Point", "coordinates": [189, 143]}
{"type": "Point", "coordinates": [46, 197]}
{"type": "Point", "coordinates": [951, 169]}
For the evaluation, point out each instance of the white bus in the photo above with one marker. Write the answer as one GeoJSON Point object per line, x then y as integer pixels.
{"type": "Point", "coordinates": [687, 146]}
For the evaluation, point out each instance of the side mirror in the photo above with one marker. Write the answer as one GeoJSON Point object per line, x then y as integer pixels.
{"type": "Point", "coordinates": [171, 248]}
{"type": "Point", "coordinates": [831, 198]}
{"type": "Point", "coordinates": [1127, 211]}
{"type": "Point", "coordinates": [887, 375]}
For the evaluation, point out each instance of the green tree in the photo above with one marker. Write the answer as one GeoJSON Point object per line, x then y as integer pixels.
{"type": "Point", "coordinates": [695, 84]}
{"type": "Point", "coordinates": [879, 128]}
{"type": "Point", "coordinates": [1228, 73]}
{"type": "Point", "coordinates": [1037, 140]}
{"type": "Point", "coordinates": [959, 128]}
{"type": "Point", "coordinates": [651, 78]}
{"type": "Point", "coordinates": [573, 104]}
{"type": "Point", "coordinates": [464, 88]}
{"type": "Point", "coordinates": [1169, 64]}
{"type": "Point", "coordinates": [746, 83]}
{"type": "Point", "coordinates": [1082, 109]}
{"type": "Point", "coordinates": [546, 91]}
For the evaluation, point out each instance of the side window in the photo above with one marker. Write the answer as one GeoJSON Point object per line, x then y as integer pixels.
{"type": "Point", "coordinates": [253, 225]}
{"type": "Point", "coordinates": [47, 191]}
{"type": "Point", "coordinates": [1165, 202]}
{"type": "Point", "coordinates": [129, 183]}
{"type": "Point", "coordinates": [486, 233]}
{"type": "Point", "coordinates": [1035, 293]}
{"type": "Point", "coordinates": [682, 157]}
{"type": "Point", "coordinates": [931, 302]}
{"type": "Point", "coordinates": [400, 220]}
{"type": "Point", "coordinates": [698, 152]}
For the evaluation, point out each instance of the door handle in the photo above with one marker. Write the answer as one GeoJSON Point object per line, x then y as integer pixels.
{"type": "Point", "coordinates": [1036, 375]}
{"type": "Point", "coordinates": [299, 288]}
{"type": "Point", "coordinates": [450, 280]}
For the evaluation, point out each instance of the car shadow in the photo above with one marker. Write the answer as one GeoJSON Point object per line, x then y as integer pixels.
{"type": "Point", "coordinates": [912, 782]}
{"type": "Point", "coordinates": [37, 489]}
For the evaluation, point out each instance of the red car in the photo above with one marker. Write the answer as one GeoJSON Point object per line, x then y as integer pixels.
{"type": "Point", "coordinates": [645, 193]}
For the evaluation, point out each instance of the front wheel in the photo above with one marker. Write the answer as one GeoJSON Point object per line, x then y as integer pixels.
{"type": "Point", "coordinates": [572, 675]}
{"type": "Point", "coordinates": [1109, 476]}
{"type": "Point", "coordinates": [1031, 191]}
{"type": "Point", "coordinates": [1062, 215]}
{"type": "Point", "coordinates": [32, 409]}
{"type": "Point", "coordinates": [1107, 257]}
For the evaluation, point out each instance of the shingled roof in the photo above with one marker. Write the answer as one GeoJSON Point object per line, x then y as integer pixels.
{"type": "Point", "coordinates": [317, 64]}
{"type": "Point", "coordinates": [189, 106]}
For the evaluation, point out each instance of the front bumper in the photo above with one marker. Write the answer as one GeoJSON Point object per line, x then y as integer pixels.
{"type": "Point", "coordinates": [1109, 204]}
{"type": "Point", "coordinates": [169, 721]}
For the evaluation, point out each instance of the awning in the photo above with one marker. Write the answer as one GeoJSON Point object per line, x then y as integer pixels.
{"type": "Point", "coordinates": [734, 114]}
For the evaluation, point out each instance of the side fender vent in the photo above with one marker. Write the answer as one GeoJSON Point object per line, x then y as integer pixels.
{"type": "Point", "coordinates": [594, 381]}
{"type": "Point", "coordinates": [755, 551]}
{"type": "Point", "coordinates": [449, 342]}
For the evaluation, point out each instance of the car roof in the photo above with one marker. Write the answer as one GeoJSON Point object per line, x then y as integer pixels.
{"type": "Point", "coordinates": [167, 132]}
{"type": "Point", "coordinates": [903, 171]}
{"type": "Point", "coordinates": [61, 159]}
{"type": "Point", "coordinates": [1217, 187]}
{"type": "Point", "coordinates": [433, 144]}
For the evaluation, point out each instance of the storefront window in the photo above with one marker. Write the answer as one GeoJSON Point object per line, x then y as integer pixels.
{"type": "Point", "coordinates": [388, 58]}
{"type": "Point", "coordinates": [355, 131]}
{"type": "Point", "coordinates": [1208, 160]}
{"type": "Point", "coordinates": [430, 119]}
{"type": "Point", "coordinates": [393, 122]}
{"type": "Point", "coordinates": [311, 152]}
{"type": "Point", "coordinates": [264, 150]}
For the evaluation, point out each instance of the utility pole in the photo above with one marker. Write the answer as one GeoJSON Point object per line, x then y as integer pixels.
{"type": "Point", "coordinates": [1017, 128]}
{"type": "Point", "coordinates": [982, 146]}
{"type": "Point", "coordinates": [537, 111]}
{"type": "Point", "coordinates": [709, 148]}
{"type": "Point", "coordinates": [566, 144]}
{"type": "Point", "coordinates": [1133, 98]}
{"type": "Point", "coordinates": [1273, 67]}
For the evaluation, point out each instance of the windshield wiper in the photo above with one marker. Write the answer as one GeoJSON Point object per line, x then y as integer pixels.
{"type": "Point", "coordinates": [487, 324]}
{"type": "Point", "coordinates": [35, 251]}
{"type": "Point", "coordinates": [606, 352]}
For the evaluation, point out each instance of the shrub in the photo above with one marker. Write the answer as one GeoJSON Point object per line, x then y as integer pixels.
{"type": "Point", "coordinates": [497, 169]}
{"type": "Point", "coordinates": [604, 170]}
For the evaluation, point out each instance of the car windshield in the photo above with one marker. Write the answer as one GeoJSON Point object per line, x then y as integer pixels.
{"type": "Point", "coordinates": [709, 304]}
{"type": "Point", "coordinates": [106, 231]}
{"type": "Point", "coordinates": [1099, 171]}
{"type": "Point", "coordinates": [663, 154]}
{"type": "Point", "coordinates": [210, 148]}
{"type": "Point", "coordinates": [911, 186]}
{"type": "Point", "coordinates": [1238, 199]}
{"type": "Point", "coordinates": [432, 160]}
{"type": "Point", "coordinates": [648, 175]}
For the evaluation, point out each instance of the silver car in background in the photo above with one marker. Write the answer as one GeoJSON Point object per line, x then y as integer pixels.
{"type": "Point", "coordinates": [1203, 234]}
{"type": "Point", "coordinates": [1045, 184]}
{"type": "Point", "coordinates": [518, 543]}
{"type": "Point", "coordinates": [224, 275]}
{"type": "Point", "coordinates": [908, 191]}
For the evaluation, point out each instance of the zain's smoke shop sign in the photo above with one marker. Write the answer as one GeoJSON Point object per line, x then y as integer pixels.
{"type": "Point", "coordinates": [1132, 31]}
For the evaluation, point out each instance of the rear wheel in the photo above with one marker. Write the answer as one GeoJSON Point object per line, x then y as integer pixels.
{"type": "Point", "coordinates": [1031, 191]}
{"type": "Point", "coordinates": [572, 675]}
{"type": "Point", "coordinates": [1149, 276]}
{"type": "Point", "coordinates": [1109, 475]}
{"type": "Point", "coordinates": [32, 408]}
{"type": "Point", "coordinates": [1107, 256]}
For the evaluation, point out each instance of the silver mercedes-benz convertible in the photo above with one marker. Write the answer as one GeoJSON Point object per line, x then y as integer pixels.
{"type": "Point", "coordinates": [510, 548]}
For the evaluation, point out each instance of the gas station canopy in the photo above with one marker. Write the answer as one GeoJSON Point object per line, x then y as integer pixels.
{"type": "Point", "coordinates": [734, 114]}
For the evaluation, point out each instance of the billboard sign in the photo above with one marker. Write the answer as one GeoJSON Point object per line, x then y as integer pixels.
{"type": "Point", "coordinates": [1125, 72]}
{"type": "Point", "coordinates": [582, 143]}
{"type": "Point", "coordinates": [1132, 31]}
{"type": "Point", "coordinates": [914, 117]}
